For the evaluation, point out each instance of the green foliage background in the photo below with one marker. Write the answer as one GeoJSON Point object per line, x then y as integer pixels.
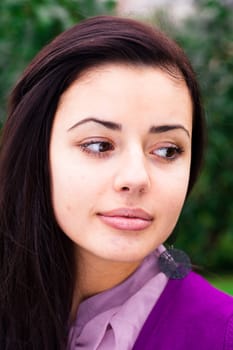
{"type": "Point", "coordinates": [27, 25]}
{"type": "Point", "coordinates": [205, 229]}
{"type": "Point", "coordinates": [206, 226]}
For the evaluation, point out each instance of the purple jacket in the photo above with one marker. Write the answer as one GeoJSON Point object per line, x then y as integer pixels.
{"type": "Point", "coordinates": [190, 315]}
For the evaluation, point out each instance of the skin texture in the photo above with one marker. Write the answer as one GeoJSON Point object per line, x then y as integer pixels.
{"type": "Point", "coordinates": [98, 168]}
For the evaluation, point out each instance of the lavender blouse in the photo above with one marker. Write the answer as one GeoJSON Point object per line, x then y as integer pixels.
{"type": "Point", "coordinates": [113, 319]}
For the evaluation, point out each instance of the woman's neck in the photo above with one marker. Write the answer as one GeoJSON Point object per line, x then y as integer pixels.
{"type": "Point", "coordinates": [95, 275]}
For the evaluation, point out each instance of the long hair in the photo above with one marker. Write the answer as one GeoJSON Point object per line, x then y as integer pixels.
{"type": "Point", "coordinates": [36, 258]}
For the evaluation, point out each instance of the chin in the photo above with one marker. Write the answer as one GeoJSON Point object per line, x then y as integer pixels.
{"type": "Point", "coordinates": [127, 256]}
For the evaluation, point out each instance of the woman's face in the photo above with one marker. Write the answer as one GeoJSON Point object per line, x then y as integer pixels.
{"type": "Point", "coordinates": [120, 158]}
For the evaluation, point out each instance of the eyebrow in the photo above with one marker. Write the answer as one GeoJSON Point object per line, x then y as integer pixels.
{"type": "Point", "coordinates": [164, 128]}
{"type": "Point", "coordinates": [118, 127]}
{"type": "Point", "coordinates": [107, 124]}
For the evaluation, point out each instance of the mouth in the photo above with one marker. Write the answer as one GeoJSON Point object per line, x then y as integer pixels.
{"type": "Point", "coordinates": [127, 219]}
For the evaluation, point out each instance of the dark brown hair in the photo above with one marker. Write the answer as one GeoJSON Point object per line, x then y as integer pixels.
{"type": "Point", "coordinates": [36, 258]}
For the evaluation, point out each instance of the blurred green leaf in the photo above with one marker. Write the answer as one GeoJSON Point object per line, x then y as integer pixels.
{"type": "Point", "coordinates": [208, 220]}
{"type": "Point", "coordinates": [27, 25]}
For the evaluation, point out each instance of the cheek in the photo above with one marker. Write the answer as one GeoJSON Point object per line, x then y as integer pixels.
{"type": "Point", "coordinates": [174, 184]}
{"type": "Point", "coordinates": [69, 201]}
{"type": "Point", "coordinates": [75, 189]}
{"type": "Point", "coordinates": [68, 189]}
{"type": "Point", "coordinates": [171, 192]}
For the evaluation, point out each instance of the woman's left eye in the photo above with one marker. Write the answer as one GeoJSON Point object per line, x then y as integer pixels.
{"type": "Point", "coordinates": [168, 152]}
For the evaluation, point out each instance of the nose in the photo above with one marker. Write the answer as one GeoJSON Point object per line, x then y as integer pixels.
{"type": "Point", "coordinates": [132, 175]}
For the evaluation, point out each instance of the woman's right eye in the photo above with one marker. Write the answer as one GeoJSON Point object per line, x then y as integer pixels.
{"type": "Point", "coordinates": [97, 148]}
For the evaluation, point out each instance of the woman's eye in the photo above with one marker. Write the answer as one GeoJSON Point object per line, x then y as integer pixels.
{"type": "Point", "coordinates": [168, 153]}
{"type": "Point", "coordinates": [97, 147]}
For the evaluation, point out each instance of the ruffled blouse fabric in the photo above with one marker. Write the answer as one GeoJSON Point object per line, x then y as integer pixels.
{"type": "Point", "coordinates": [113, 319]}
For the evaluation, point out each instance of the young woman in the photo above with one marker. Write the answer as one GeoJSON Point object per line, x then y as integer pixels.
{"type": "Point", "coordinates": [103, 143]}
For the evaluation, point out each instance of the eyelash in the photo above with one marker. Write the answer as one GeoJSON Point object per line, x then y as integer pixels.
{"type": "Point", "coordinates": [176, 150]}
{"type": "Point", "coordinates": [101, 154]}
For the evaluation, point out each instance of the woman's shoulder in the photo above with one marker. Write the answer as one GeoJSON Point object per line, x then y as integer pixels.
{"type": "Point", "coordinates": [190, 314]}
{"type": "Point", "coordinates": [196, 289]}
{"type": "Point", "coordinates": [193, 296]}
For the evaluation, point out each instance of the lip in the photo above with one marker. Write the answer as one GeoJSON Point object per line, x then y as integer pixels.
{"type": "Point", "coordinates": [130, 219]}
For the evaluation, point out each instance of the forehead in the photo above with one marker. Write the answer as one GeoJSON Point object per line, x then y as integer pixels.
{"type": "Point", "coordinates": [118, 90]}
{"type": "Point", "coordinates": [107, 73]}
